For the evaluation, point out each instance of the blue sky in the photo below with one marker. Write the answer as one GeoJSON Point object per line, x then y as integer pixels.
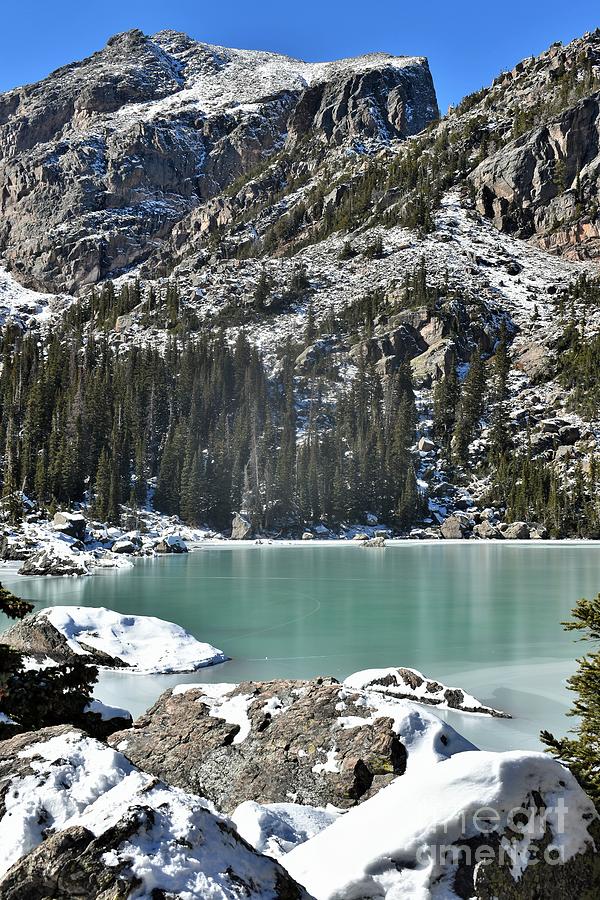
{"type": "Point", "coordinates": [467, 43]}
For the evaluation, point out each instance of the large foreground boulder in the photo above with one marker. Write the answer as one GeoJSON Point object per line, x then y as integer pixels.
{"type": "Point", "coordinates": [79, 822]}
{"type": "Point", "coordinates": [317, 741]}
{"type": "Point", "coordinates": [144, 644]}
{"type": "Point", "coordinates": [478, 826]}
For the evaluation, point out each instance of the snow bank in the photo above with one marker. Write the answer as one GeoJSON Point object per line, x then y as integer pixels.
{"type": "Point", "coordinates": [413, 685]}
{"type": "Point", "coordinates": [276, 828]}
{"type": "Point", "coordinates": [391, 846]}
{"type": "Point", "coordinates": [184, 849]}
{"type": "Point", "coordinates": [146, 644]}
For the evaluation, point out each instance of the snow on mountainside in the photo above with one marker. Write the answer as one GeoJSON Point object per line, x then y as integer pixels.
{"type": "Point", "coordinates": [25, 307]}
{"type": "Point", "coordinates": [215, 79]}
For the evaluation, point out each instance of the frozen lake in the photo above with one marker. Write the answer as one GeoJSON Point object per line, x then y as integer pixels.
{"type": "Point", "coordinates": [482, 616]}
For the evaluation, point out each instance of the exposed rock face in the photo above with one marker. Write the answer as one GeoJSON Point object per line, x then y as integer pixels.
{"type": "Point", "coordinates": [381, 101]}
{"type": "Point", "coordinates": [241, 528]}
{"type": "Point", "coordinates": [315, 741]}
{"type": "Point", "coordinates": [576, 878]}
{"type": "Point", "coordinates": [542, 183]}
{"type": "Point", "coordinates": [108, 839]}
{"type": "Point", "coordinates": [100, 160]}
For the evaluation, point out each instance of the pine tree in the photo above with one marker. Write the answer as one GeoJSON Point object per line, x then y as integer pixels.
{"type": "Point", "coordinates": [445, 404]}
{"type": "Point", "coordinates": [582, 752]}
{"type": "Point", "coordinates": [263, 290]}
{"type": "Point", "coordinates": [102, 486]}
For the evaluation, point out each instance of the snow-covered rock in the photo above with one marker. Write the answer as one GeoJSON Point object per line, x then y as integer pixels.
{"type": "Point", "coordinates": [425, 836]}
{"type": "Point", "coordinates": [409, 684]}
{"type": "Point", "coordinates": [72, 524]}
{"type": "Point", "coordinates": [56, 558]}
{"type": "Point", "coordinates": [144, 644]}
{"type": "Point", "coordinates": [224, 741]}
{"type": "Point", "coordinates": [70, 802]}
{"type": "Point", "coordinates": [171, 543]}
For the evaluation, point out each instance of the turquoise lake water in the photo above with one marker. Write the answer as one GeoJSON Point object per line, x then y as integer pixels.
{"type": "Point", "coordinates": [482, 616]}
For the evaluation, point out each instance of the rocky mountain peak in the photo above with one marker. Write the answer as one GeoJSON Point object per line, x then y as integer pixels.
{"type": "Point", "coordinates": [99, 160]}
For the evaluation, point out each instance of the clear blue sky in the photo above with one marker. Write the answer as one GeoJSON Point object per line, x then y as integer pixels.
{"type": "Point", "coordinates": [467, 42]}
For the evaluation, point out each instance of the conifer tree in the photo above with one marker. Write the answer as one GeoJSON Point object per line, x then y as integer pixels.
{"type": "Point", "coordinates": [582, 752]}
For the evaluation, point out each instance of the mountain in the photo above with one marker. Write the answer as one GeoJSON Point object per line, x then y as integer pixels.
{"type": "Point", "coordinates": [301, 295]}
{"type": "Point", "coordinates": [103, 157]}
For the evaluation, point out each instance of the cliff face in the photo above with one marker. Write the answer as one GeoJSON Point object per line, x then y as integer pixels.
{"type": "Point", "coordinates": [103, 157]}
{"type": "Point", "coordinates": [546, 183]}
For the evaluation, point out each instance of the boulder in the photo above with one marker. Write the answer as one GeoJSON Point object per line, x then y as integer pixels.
{"type": "Point", "coordinates": [425, 445]}
{"type": "Point", "coordinates": [517, 531]}
{"type": "Point", "coordinates": [377, 542]}
{"type": "Point", "coordinates": [71, 524]}
{"type": "Point", "coordinates": [171, 543]}
{"type": "Point", "coordinates": [569, 434]}
{"type": "Point", "coordinates": [124, 545]}
{"type": "Point", "coordinates": [409, 684]}
{"type": "Point", "coordinates": [483, 825]}
{"type": "Point", "coordinates": [538, 532]}
{"type": "Point", "coordinates": [361, 536]}
{"type": "Point", "coordinates": [103, 637]}
{"type": "Point", "coordinates": [15, 547]}
{"type": "Point", "coordinates": [241, 528]}
{"type": "Point", "coordinates": [453, 528]}
{"type": "Point", "coordinates": [36, 636]}
{"type": "Point", "coordinates": [487, 531]}
{"type": "Point", "coordinates": [316, 741]}
{"type": "Point", "coordinates": [55, 559]}
{"type": "Point", "coordinates": [90, 826]}
{"type": "Point", "coordinates": [308, 536]}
